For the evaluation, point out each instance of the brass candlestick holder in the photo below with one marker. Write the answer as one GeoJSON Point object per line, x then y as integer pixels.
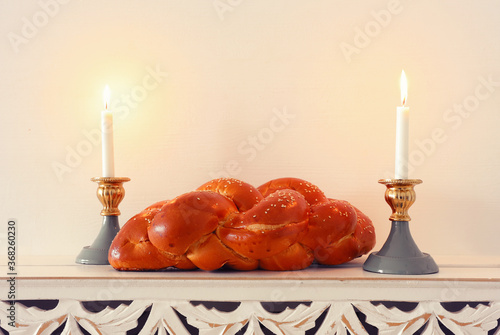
{"type": "Point", "coordinates": [400, 254]}
{"type": "Point", "coordinates": [110, 193]}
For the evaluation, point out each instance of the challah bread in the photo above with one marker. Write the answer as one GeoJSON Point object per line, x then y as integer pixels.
{"type": "Point", "coordinates": [285, 224]}
{"type": "Point", "coordinates": [211, 254]}
{"type": "Point", "coordinates": [244, 195]}
{"type": "Point", "coordinates": [132, 250]}
{"type": "Point", "coordinates": [337, 231]}
{"type": "Point", "coordinates": [296, 257]}
{"type": "Point", "coordinates": [268, 228]}
{"type": "Point", "coordinates": [186, 219]}
{"type": "Point", "coordinates": [329, 222]}
{"type": "Point", "coordinates": [311, 193]}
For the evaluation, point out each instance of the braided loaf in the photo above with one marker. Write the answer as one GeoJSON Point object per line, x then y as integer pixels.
{"type": "Point", "coordinates": [284, 224]}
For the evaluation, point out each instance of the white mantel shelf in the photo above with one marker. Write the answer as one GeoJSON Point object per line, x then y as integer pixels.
{"type": "Point", "coordinates": [66, 279]}
{"type": "Point", "coordinates": [326, 289]}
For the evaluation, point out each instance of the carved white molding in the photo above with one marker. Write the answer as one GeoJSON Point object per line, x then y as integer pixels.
{"type": "Point", "coordinates": [33, 320]}
{"type": "Point", "coordinates": [478, 320]}
{"type": "Point", "coordinates": [340, 317]}
{"type": "Point", "coordinates": [290, 321]}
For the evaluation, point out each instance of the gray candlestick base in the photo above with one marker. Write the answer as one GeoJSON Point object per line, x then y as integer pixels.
{"type": "Point", "coordinates": [400, 255]}
{"type": "Point", "coordinates": [97, 253]}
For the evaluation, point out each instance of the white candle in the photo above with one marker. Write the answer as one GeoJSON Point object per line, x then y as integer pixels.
{"type": "Point", "coordinates": [108, 163]}
{"type": "Point", "coordinates": [402, 130]}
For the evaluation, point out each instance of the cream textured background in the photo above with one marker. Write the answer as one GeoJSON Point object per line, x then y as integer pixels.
{"type": "Point", "coordinates": [224, 70]}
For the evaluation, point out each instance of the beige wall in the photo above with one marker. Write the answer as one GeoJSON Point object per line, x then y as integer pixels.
{"type": "Point", "coordinates": [316, 82]}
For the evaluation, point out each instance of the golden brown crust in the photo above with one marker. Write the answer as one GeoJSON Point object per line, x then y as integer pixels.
{"type": "Point", "coordinates": [132, 250]}
{"type": "Point", "coordinates": [184, 220]}
{"type": "Point", "coordinates": [244, 195]}
{"type": "Point", "coordinates": [211, 254]}
{"type": "Point", "coordinates": [311, 192]}
{"type": "Point", "coordinates": [295, 257]}
{"type": "Point", "coordinates": [285, 224]}
{"type": "Point", "coordinates": [269, 227]}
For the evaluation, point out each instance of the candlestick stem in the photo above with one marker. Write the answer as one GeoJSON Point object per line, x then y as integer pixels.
{"type": "Point", "coordinates": [110, 193]}
{"type": "Point", "coordinates": [400, 254]}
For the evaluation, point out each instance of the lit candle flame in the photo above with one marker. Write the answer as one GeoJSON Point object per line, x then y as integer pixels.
{"type": "Point", "coordinates": [404, 88]}
{"type": "Point", "coordinates": [106, 95]}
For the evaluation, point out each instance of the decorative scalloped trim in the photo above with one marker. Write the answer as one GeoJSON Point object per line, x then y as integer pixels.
{"type": "Point", "coordinates": [178, 317]}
